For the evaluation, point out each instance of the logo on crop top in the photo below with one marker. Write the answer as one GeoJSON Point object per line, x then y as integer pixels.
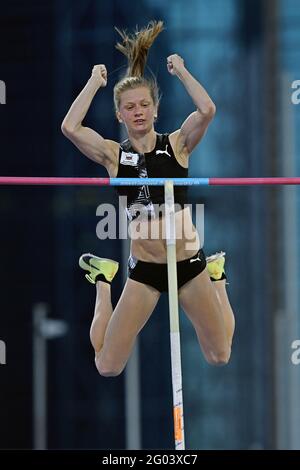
{"type": "Point", "coordinates": [129, 158]}
{"type": "Point", "coordinates": [163, 151]}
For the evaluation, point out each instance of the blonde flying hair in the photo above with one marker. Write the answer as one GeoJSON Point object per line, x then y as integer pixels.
{"type": "Point", "coordinates": [135, 47]}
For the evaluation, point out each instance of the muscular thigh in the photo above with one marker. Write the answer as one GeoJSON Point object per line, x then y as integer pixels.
{"type": "Point", "coordinates": [134, 308]}
{"type": "Point", "coordinates": [198, 299]}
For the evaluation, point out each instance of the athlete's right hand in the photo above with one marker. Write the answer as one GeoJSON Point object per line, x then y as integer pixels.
{"type": "Point", "coordinates": [100, 72]}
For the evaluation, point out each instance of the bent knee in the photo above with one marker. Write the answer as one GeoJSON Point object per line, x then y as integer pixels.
{"type": "Point", "coordinates": [108, 372]}
{"type": "Point", "coordinates": [218, 358]}
{"type": "Point", "coordinates": [106, 369]}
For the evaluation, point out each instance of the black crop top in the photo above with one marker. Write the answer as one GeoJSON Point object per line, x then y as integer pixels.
{"type": "Point", "coordinates": [160, 163]}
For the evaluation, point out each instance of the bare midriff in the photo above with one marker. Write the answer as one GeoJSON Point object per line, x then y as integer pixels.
{"type": "Point", "coordinates": [148, 239]}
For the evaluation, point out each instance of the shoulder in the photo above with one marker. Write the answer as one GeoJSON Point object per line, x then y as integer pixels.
{"type": "Point", "coordinates": [178, 150]}
{"type": "Point", "coordinates": [112, 162]}
{"type": "Point", "coordinates": [173, 139]}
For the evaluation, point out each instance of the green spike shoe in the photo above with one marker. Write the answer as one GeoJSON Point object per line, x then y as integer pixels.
{"type": "Point", "coordinates": [215, 265]}
{"type": "Point", "coordinates": [96, 266]}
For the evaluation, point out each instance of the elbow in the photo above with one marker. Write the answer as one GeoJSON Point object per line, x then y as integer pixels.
{"type": "Point", "coordinates": [213, 109]}
{"type": "Point", "coordinates": [67, 129]}
{"type": "Point", "coordinates": [209, 111]}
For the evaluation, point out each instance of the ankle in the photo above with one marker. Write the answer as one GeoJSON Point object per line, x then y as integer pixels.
{"type": "Point", "coordinates": [101, 278]}
{"type": "Point", "coordinates": [103, 290]}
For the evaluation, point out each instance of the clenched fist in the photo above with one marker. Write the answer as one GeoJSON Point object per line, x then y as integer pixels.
{"type": "Point", "coordinates": [100, 72]}
{"type": "Point", "coordinates": [175, 64]}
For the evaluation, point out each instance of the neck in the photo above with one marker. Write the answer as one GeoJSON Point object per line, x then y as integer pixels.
{"type": "Point", "coordinates": [143, 143]}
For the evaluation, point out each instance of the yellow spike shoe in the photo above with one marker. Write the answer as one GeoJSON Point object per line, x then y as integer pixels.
{"type": "Point", "coordinates": [215, 265]}
{"type": "Point", "coordinates": [96, 266]}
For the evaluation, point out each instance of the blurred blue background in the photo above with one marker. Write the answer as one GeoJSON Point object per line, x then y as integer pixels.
{"type": "Point", "coordinates": [246, 54]}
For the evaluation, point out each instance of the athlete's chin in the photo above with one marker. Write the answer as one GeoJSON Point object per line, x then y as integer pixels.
{"type": "Point", "coordinates": [140, 125]}
{"type": "Point", "coordinates": [142, 128]}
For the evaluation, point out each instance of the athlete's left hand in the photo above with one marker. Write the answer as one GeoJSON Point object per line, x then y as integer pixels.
{"type": "Point", "coordinates": [175, 64]}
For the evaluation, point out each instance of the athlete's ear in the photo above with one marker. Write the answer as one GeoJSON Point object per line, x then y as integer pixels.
{"type": "Point", "coordinates": [118, 115]}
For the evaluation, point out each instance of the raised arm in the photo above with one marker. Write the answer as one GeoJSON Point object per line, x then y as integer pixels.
{"type": "Point", "coordinates": [89, 142]}
{"type": "Point", "coordinates": [185, 139]}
